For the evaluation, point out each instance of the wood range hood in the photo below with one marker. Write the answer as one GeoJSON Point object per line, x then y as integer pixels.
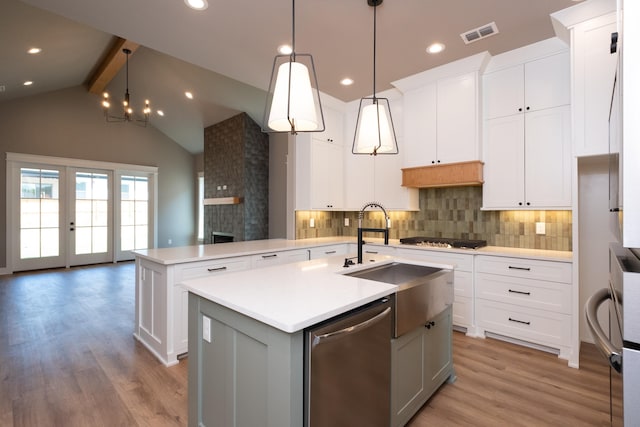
{"type": "Point", "coordinates": [446, 175]}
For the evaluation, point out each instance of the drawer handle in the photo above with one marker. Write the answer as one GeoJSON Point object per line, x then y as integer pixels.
{"type": "Point", "coordinates": [329, 252]}
{"type": "Point", "coordinates": [511, 267]}
{"type": "Point", "coordinates": [519, 321]}
{"type": "Point", "coordinates": [216, 269]}
{"type": "Point", "coordinates": [519, 292]}
{"type": "Point", "coordinates": [269, 256]}
{"type": "Point", "coordinates": [370, 252]}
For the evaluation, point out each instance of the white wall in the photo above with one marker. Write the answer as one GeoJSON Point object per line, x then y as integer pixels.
{"type": "Point", "coordinates": [594, 233]}
{"type": "Point", "coordinates": [69, 123]}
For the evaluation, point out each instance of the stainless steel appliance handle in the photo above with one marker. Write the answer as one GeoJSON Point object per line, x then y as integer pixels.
{"type": "Point", "coordinates": [319, 339]}
{"type": "Point", "coordinates": [613, 354]}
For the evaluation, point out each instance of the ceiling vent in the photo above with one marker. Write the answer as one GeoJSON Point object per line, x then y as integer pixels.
{"type": "Point", "coordinates": [479, 33]}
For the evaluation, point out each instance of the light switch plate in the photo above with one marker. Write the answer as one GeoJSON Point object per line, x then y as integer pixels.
{"type": "Point", "coordinates": [540, 228]}
{"type": "Point", "coordinates": [206, 329]}
{"type": "Point", "coordinates": [346, 222]}
{"type": "Point", "coordinates": [312, 222]}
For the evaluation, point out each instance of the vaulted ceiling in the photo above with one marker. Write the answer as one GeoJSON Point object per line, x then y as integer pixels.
{"type": "Point", "coordinates": [224, 54]}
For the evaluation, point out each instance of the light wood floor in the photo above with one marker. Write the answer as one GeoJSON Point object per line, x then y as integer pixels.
{"type": "Point", "coordinates": [68, 358]}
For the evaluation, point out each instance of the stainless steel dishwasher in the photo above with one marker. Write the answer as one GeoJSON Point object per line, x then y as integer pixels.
{"type": "Point", "coordinates": [348, 368]}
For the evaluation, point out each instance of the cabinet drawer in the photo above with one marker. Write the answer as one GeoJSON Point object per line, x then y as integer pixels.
{"type": "Point", "coordinates": [326, 251]}
{"type": "Point", "coordinates": [542, 327]}
{"type": "Point", "coordinates": [378, 250]}
{"type": "Point", "coordinates": [276, 258]}
{"type": "Point", "coordinates": [205, 268]}
{"type": "Point", "coordinates": [543, 295]}
{"type": "Point", "coordinates": [460, 261]}
{"type": "Point", "coordinates": [527, 268]}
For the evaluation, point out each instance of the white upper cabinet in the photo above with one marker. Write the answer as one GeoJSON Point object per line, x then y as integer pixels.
{"type": "Point", "coordinates": [441, 113]}
{"type": "Point", "coordinates": [377, 178]}
{"type": "Point", "coordinates": [532, 86]}
{"type": "Point", "coordinates": [527, 133]}
{"type": "Point", "coordinates": [594, 68]}
{"type": "Point", "coordinates": [319, 168]}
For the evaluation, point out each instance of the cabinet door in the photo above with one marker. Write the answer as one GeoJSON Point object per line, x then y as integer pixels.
{"type": "Point", "coordinates": [420, 126]}
{"type": "Point", "coordinates": [326, 175]}
{"type": "Point", "coordinates": [503, 92]}
{"type": "Point", "coordinates": [437, 351]}
{"type": "Point", "coordinates": [547, 82]}
{"type": "Point", "coordinates": [593, 75]}
{"type": "Point", "coordinates": [334, 126]}
{"type": "Point", "coordinates": [504, 163]}
{"type": "Point", "coordinates": [457, 121]}
{"type": "Point", "coordinates": [548, 158]}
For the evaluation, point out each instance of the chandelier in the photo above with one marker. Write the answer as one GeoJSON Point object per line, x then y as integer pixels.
{"type": "Point", "coordinates": [127, 112]}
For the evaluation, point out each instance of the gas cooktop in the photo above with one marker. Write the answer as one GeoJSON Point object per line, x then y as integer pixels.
{"type": "Point", "coordinates": [443, 242]}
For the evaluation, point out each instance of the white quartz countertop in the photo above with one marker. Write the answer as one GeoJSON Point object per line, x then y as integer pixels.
{"type": "Point", "coordinates": [291, 297]}
{"type": "Point", "coordinates": [186, 254]}
{"type": "Point", "coordinates": [179, 255]}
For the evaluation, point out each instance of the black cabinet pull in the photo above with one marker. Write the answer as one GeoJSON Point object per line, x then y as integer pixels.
{"type": "Point", "coordinates": [269, 256]}
{"type": "Point", "coordinates": [433, 161]}
{"type": "Point", "coordinates": [519, 321]}
{"type": "Point", "coordinates": [528, 108]}
{"type": "Point", "coordinates": [371, 252]}
{"type": "Point", "coordinates": [511, 267]}
{"type": "Point", "coordinates": [528, 203]}
{"type": "Point", "coordinates": [217, 269]}
{"type": "Point", "coordinates": [428, 325]}
{"type": "Point", "coordinates": [520, 109]}
{"type": "Point", "coordinates": [519, 292]}
{"type": "Point", "coordinates": [329, 252]}
{"type": "Point", "coordinates": [520, 203]}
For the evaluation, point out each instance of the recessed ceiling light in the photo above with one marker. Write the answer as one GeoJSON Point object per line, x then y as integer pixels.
{"type": "Point", "coordinates": [34, 50]}
{"type": "Point", "coordinates": [160, 113]}
{"type": "Point", "coordinates": [197, 4]}
{"type": "Point", "coordinates": [28, 83]}
{"type": "Point", "coordinates": [435, 48]}
{"type": "Point", "coordinates": [285, 49]}
{"type": "Point", "coordinates": [188, 95]}
{"type": "Point", "coordinates": [346, 81]}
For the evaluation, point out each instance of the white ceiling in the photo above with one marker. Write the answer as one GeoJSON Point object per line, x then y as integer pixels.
{"type": "Point", "coordinates": [188, 50]}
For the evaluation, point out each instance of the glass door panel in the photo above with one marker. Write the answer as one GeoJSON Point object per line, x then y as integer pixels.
{"type": "Point", "coordinates": [39, 235]}
{"type": "Point", "coordinates": [90, 226]}
{"type": "Point", "coordinates": [134, 213]}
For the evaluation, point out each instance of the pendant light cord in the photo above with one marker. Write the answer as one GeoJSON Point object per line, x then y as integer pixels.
{"type": "Point", "coordinates": [375, 7]}
{"type": "Point", "coordinates": [293, 31]}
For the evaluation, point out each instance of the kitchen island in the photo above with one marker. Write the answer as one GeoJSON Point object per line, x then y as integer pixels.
{"type": "Point", "coordinates": [246, 337]}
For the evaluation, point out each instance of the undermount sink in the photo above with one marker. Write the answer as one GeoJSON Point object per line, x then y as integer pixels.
{"type": "Point", "coordinates": [423, 292]}
{"type": "Point", "coordinates": [395, 273]}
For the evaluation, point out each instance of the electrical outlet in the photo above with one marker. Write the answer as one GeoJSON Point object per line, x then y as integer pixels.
{"type": "Point", "coordinates": [312, 222]}
{"type": "Point", "coordinates": [169, 241]}
{"type": "Point", "coordinates": [346, 222]}
{"type": "Point", "coordinates": [540, 228]}
{"type": "Point", "coordinates": [206, 329]}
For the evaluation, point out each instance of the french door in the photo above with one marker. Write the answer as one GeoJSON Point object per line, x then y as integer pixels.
{"type": "Point", "coordinates": [62, 216]}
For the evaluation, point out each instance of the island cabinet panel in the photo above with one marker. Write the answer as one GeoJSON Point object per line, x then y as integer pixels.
{"type": "Point", "coordinates": [421, 361]}
{"type": "Point", "coordinates": [150, 311]}
{"type": "Point", "coordinates": [246, 374]}
{"type": "Point", "coordinates": [279, 257]}
{"type": "Point", "coordinates": [325, 251]}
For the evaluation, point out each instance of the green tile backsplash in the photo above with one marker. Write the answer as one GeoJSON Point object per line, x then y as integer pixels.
{"type": "Point", "coordinates": [450, 212]}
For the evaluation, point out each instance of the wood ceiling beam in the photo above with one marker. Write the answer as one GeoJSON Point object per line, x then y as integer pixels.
{"type": "Point", "coordinates": [110, 65]}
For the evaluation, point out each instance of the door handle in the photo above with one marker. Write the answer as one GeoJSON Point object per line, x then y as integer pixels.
{"type": "Point", "coordinates": [318, 339]}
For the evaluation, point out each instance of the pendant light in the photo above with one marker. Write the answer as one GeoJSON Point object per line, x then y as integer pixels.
{"type": "Point", "coordinates": [127, 113]}
{"type": "Point", "coordinates": [374, 127]}
{"type": "Point", "coordinates": [293, 101]}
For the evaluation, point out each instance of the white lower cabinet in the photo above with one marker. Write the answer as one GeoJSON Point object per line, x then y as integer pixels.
{"type": "Point", "coordinates": [527, 300]}
{"type": "Point", "coordinates": [162, 304]}
{"type": "Point", "coordinates": [421, 361]}
{"type": "Point", "coordinates": [462, 281]}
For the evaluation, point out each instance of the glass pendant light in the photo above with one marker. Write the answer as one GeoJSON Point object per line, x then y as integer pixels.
{"type": "Point", "coordinates": [293, 101]}
{"type": "Point", "coordinates": [374, 127]}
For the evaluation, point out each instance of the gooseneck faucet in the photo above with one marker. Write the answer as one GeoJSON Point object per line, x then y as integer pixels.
{"type": "Point", "coordinates": [384, 230]}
